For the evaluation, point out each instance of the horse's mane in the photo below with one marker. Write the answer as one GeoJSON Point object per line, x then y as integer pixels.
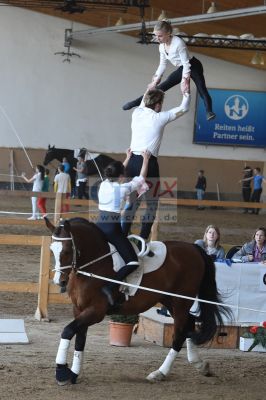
{"type": "Point", "coordinates": [83, 221]}
{"type": "Point", "coordinates": [80, 220]}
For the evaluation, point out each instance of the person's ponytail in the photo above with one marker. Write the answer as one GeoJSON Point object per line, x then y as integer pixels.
{"type": "Point", "coordinates": [164, 25]}
{"type": "Point", "coordinates": [114, 170]}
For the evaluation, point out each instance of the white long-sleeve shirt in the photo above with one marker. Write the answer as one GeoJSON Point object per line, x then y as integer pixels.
{"type": "Point", "coordinates": [37, 182]}
{"type": "Point", "coordinates": [148, 126]}
{"type": "Point", "coordinates": [178, 55]}
{"type": "Point", "coordinates": [112, 195]}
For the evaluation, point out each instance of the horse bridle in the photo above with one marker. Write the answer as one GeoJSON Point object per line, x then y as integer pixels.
{"type": "Point", "coordinates": [75, 252]}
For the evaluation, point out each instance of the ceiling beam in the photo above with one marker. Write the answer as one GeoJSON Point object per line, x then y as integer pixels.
{"type": "Point", "coordinates": [243, 12]}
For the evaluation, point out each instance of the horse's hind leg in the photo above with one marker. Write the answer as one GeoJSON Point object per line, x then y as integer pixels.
{"type": "Point", "coordinates": [183, 323]}
{"type": "Point", "coordinates": [195, 360]}
{"type": "Point", "coordinates": [180, 333]}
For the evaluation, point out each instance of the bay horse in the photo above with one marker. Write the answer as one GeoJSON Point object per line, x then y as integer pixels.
{"type": "Point", "coordinates": [53, 153]}
{"type": "Point", "coordinates": [186, 271]}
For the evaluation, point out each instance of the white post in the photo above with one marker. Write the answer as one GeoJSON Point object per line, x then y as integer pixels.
{"type": "Point", "coordinates": [218, 192]}
{"type": "Point", "coordinates": [11, 170]}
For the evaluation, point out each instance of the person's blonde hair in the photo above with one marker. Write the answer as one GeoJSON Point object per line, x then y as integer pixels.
{"type": "Point", "coordinates": [217, 230]}
{"type": "Point", "coordinates": [153, 97]}
{"type": "Point", "coordinates": [164, 26]}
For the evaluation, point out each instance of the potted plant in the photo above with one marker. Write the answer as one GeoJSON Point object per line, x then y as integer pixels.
{"type": "Point", "coordinates": [254, 339]}
{"type": "Point", "coordinates": [121, 328]}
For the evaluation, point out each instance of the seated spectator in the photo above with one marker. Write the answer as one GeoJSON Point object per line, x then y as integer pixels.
{"type": "Point", "coordinates": [211, 242]}
{"type": "Point", "coordinates": [254, 251]}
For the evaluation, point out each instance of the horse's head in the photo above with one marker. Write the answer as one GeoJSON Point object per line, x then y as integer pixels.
{"type": "Point", "coordinates": [50, 155]}
{"type": "Point", "coordinates": [62, 247]}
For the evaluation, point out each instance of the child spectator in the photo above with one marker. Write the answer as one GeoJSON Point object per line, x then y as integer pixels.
{"type": "Point", "coordinates": [41, 202]}
{"type": "Point", "coordinates": [62, 184]}
{"type": "Point", "coordinates": [37, 180]}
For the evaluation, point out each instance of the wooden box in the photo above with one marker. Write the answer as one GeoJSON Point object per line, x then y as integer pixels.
{"type": "Point", "coordinates": [156, 328]}
{"type": "Point", "coordinates": [159, 329]}
{"type": "Point", "coordinates": [227, 338]}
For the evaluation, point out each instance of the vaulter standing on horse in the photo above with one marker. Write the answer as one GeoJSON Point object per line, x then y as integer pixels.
{"type": "Point", "coordinates": [148, 124]}
{"type": "Point", "coordinates": [112, 195]}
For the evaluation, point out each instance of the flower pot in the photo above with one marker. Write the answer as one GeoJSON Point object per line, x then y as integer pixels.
{"type": "Point", "coordinates": [120, 333]}
{"type": "Point", "coordinates": [245, 344]}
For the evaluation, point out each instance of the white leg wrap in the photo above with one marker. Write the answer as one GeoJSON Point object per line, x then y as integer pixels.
{"type": "Point", "coordinates": [165, 368]}
{"type": "Point", "coordinates": [77, 362]}
{"type": "Point", "coordinates": [192, 352]}
{"type": "Point", "coordinates": [194, 359]}
{"type": "Point", "coordinates": [61, 357]}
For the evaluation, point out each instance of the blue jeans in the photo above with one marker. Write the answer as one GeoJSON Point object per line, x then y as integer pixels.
{"type": "Point", "coordinates": [200, 194]}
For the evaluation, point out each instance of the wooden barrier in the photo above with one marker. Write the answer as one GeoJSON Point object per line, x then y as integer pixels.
{"type": "Point", "coordinates": [165, 201]}
{"type": "Point", "coordinates": [47, 292]}
{"type": "Point", "coordinates": [24, 240]}
{"type": "Point", "coordinates": [92, 208]}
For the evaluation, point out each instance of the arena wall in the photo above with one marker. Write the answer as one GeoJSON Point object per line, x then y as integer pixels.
{"type": "Point", "coordinates": [78, 104]}
{"type": "Point", "coordinates": [225, 173]}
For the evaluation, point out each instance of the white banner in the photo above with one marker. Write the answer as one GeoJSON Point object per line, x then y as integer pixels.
{"type": "Point", "coordinates": [263, 281]}
{"type": "Point", "coordinates": [243, 285]}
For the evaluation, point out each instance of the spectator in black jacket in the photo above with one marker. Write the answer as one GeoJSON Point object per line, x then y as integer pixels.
{"type": "Point", "coordinates": [201, 187]}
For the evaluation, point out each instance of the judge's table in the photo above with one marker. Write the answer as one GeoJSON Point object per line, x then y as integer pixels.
{"type": "Point", "coordinates": [242, 285]}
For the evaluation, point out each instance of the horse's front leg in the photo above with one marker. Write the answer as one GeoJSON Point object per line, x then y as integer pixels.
{"type": "Point", "coordinates": [63, 373]}
{"type": "Point", "coordinates": [79, 328]}
{"type": "Point", "coordinates": [78, 355]}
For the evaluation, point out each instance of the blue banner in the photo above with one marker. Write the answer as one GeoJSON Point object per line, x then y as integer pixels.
{"type": "Point", "coordinates": [240, 119]}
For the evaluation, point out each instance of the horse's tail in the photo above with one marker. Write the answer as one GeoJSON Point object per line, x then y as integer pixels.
{"type": "Point", "coordinates": [210, 315]}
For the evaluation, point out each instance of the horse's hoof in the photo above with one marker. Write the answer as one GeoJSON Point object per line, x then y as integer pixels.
{"type": "Point", "coordinates": [63, 374]}
{"type": "Point", "coordinates": [62, 383]}
{"type": "Point", "coordinates": [203, 367]}
{"type": "Point", "coordinates": [73, 378]}
{"type": "Point", "coordinates": [155, 376]}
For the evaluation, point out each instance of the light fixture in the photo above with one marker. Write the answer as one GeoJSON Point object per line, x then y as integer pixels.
{"type": "Point", "coordinates": [162, 16]}
{"type": "Point", "coordinates": [257, 59]}
{"type": "Point", "coordinates": [120, 22]}
{"type": "Point", "coordinates": [212, 9]}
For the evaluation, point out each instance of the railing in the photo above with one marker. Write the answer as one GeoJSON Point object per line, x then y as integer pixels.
{"type": "Point", "coordinates": [92, 209]}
